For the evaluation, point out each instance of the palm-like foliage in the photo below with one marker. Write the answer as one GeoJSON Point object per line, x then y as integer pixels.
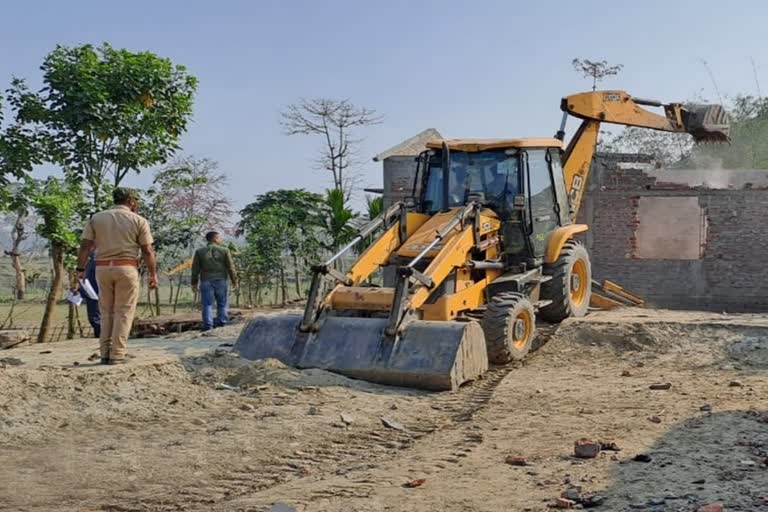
{"type": "Point", "coordinates": [338, 220]}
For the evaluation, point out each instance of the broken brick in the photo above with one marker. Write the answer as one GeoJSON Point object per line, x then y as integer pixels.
{"type": "Point", "coordinates": [513, 460]}
{"type": "Point", "coordinates": [586, 448]}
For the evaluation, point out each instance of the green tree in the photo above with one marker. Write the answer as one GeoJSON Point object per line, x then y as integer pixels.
{"type": "Point", "coordinates": [747, 150]}
{"type": "Point", "coordinates": [374, 206]}
{"type": "Point", "coordinates": [284, 222]}
{"type": "Point", "coordinates": [59, 205]}
{"type": "Point", "coordinates": [187, 198]}
{"type": "Point", "coordinates": [17, 198]}
{"type": "Point", "coordinates": [262, 260]}
{"type": "Point", "coordinates": [665, 147]}
{"type": "Point", "coordinates": [338, 220]}
{"type": "Point", "coordinates": [19, 153]}
{"type": "Point", "coordinates": [104, 112]}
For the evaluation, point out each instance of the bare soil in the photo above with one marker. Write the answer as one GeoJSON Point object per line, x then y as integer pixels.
{"type": "Point", "coordinates": [186, 425]}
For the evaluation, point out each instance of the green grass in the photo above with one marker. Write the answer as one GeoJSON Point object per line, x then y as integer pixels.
{"type": "Point", "coordinates": [29, 312]}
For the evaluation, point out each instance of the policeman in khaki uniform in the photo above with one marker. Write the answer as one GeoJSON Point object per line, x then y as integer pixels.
{"type": "Point", "coordinates": [121, 236]}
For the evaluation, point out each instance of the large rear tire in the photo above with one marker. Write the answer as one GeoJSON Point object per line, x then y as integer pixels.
{"type": "Point", "coordinates": [570, 286]}
{"type": "Point", "coordinates": [509, 324]}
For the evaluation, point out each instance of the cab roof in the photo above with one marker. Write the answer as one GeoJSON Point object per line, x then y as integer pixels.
{"type": "Point", "coordinates": [475, 145]}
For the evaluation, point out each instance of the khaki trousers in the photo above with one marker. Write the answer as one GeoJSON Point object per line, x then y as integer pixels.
{"type": "Point", "coordinates": [118, 295]}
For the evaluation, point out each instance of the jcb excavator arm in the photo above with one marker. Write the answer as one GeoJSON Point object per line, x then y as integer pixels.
{"type": "Point", "coordinates": [706, 123]}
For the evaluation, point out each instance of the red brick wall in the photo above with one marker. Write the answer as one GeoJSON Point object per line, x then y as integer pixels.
{"type": "Point", "coordinates": [732, 275]}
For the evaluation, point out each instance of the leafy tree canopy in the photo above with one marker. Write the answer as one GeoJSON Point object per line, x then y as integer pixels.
{"type": "Point", "coordinates": [106, 112]}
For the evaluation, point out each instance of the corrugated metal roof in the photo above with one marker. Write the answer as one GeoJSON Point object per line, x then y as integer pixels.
{"type": "Point", "coordinates": [410, 147]}
{"type": "Point", "coordinates": [471, 145]}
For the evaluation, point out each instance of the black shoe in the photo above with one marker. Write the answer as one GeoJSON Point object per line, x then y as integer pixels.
{"type": "Point", "coordinates": [117, 361]}
{"type": "Point", "coordinates": [104, 360]}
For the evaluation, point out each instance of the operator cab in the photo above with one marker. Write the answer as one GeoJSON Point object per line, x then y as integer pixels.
{"type": "Point", "coordinates": [521, 180]}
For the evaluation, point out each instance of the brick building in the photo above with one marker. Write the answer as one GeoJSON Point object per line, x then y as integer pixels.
{"type": "Point", "coordinates": [691, 239]}
{"type": "Point", "coordinates": [399, 165]}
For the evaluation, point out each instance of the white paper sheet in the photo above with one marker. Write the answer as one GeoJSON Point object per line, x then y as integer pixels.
{"type": "Point", "coordinates": [85, 285]}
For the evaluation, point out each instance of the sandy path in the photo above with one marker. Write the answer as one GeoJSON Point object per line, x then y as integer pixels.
{"type": "Point", "coordinates": [159, 435]}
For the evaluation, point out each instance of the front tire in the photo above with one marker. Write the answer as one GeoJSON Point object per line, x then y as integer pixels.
{"type": "Point", "coordinates": [509, 324]}
{"type": "Point", "coordinates": [570, 286]}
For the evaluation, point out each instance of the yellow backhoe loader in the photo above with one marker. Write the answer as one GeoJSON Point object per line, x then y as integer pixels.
{"type": "Point", "coordinates": [488, 243]}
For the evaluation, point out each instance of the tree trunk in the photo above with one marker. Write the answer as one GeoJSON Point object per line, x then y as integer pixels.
{"type": "Point", "coordinates": [277, 293]}
{"type": "Point", "coordinates": [18, 236]}
{"type": "Point", "coordinates": [150, 305]}
{"type": "Point", "coordinates": [170, 293]}
{"type": "Point", "coordinates": [21, 280]}
{"type": "Point", "coordinates": [178, 289]}
{"type": "Point", "coordinates": [79, 323]}
{"type": "Point", "coordinates": [8, 322]}
{"type": "Point", "coordinates": [297, 275]}
{"type": "Point", "coordinates": [283, 286]}
{"type": "Point", "coordinates": [157, 299]}
{"type": "Point", "coordinates": [258, 292]}
{"type": "Point", "coordinates": [71, 312]}
{"type": "Point", "coordinates": [57, 254]}
{"type": "Point", "coordinates": [71, 309]}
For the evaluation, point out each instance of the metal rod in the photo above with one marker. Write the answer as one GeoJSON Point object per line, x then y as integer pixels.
{"type": "Point", "coordinates": [649, 103]}
{"type": "Point", "coordinates": [446, 174]}
{"type": "Point", "coordinates": [367, 230]}
{"type": "Point", "coordinates": [398, 305]}
{"type": "Point", "coordinates": [560, 135]}
{"type": "Point", "coordinates": [486, 265]}
{"type": "Point", "coordinates": [455, 220]}
{"type": "Point", "coordinates": [311, 308]}
{"type": "Point", "coordinates": [419, 158]}
{"type": "Point", "coordinates": [402, 231]}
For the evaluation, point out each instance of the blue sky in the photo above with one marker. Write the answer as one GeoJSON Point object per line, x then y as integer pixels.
{"type": "Point", "coordinates": [480, 69]}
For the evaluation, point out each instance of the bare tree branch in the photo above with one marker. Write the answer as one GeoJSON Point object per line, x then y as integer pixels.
{"type": "Point", "coordinates": [333, 120]}
{"type": "Point", "coordinates": [598, 70]}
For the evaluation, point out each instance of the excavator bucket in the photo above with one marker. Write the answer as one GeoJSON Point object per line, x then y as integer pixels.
{"type": "Point", "coordinates": [430, 355]}
{"type": "Point", "coordinates": [707, 123]}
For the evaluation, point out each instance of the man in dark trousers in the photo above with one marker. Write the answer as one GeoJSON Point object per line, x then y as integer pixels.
{"type": "Point", "coordinates": [92, 305]}
{"type": "Point", "coordinates": [211, 266]}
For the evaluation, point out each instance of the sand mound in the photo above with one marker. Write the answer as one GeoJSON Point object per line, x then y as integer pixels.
{"type": "Point", "coordinates": [751, 350]}
{"type": "Point", "coordinates": [620, 337]}
{"type": "Point", "coordinates": [741, 342]}
{"type": "Point", "coordinates": [272, 371]}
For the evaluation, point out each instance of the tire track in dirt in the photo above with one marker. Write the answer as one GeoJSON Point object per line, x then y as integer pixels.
{"type": "Point", "coordinates": [340, 471]}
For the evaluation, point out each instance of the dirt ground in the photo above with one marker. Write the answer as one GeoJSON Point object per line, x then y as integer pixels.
{"type": "Point", "coordinates": [188, 426]}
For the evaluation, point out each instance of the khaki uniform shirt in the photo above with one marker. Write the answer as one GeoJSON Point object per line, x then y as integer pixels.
{"type": "Point", "coordinates": [118, 233]}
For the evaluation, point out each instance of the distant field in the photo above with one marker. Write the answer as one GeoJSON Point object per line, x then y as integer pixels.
{"type": "Point", "coordinates": [28, 313]}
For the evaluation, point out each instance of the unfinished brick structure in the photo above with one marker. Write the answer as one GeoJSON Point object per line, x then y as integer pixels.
{"type": "Point", "coordinates": [693, 239]}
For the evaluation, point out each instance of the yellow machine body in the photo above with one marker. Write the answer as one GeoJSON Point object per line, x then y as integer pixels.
{"type": "Point", "coordinates": [454, 264]}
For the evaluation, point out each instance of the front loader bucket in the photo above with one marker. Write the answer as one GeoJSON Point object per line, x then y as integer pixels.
{"type": "Point", "coordinates": [707, 123]}
{"type": "Point", "coordinates": [436, 356]}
